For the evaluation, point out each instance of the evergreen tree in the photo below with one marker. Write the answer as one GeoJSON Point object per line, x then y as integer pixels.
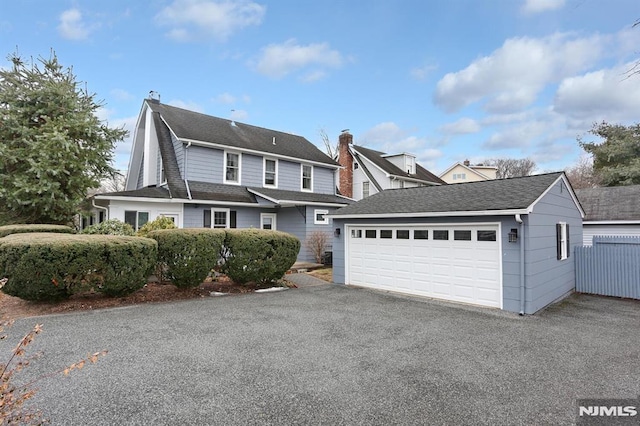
{"type": "Point", "coordinates": [53, 148]}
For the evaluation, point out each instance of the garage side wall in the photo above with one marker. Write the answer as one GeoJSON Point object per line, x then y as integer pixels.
{"type": "Point", "coordinates": [549, 279]}
{"type": "Point", "coordinates": [510, 251]}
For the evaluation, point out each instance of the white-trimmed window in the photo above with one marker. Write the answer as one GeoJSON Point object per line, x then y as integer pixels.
{"type": "Point", "coordinates": [306, 173]}
{"type": "Point", "coordinates": [320, 217]}
{"type": "Point", "coordinates": [218, 218]}
{"type": "Point", "coordinates": [270, 167]}
{"type": "Point", "coordinates": [232, 167]}
{"type": "Point", "coordinates": [563, 246]}
{"type": "Point", "coordinates": [135, 218]}
{"type": "Point", "coordinates": [268, 221]}
{"type": "Point", "coordinates": [365, 189]}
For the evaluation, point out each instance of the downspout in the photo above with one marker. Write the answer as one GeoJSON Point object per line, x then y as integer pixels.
{"type": "Point", "coordinates": [184, 167]}
{"type": "Point", "coordinates": [522, 277]}
{"type": "Point", "coordinates": [93, 203]}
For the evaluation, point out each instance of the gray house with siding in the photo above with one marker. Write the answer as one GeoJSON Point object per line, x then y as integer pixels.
{"type": "Point", "coordinates": [204, 171]}
{"type": "Point", "coordinates": [612, 211]}
{"type": "Point", "coordinates": [500, 243]}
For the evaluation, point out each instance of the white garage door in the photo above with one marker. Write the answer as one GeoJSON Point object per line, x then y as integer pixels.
{"type": "Point", "coordinates": [459, 263]}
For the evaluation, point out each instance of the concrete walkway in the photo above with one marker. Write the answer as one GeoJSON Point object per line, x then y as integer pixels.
{"type": "Point", "coordinates": [305, 280]}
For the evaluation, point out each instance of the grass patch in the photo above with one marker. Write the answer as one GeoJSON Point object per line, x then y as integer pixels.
{"type": "Point", "coordinates": [323, 273]}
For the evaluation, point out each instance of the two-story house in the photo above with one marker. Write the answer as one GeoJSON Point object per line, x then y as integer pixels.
{"type": "Point", "coordinates": [467, 172]}
{"type": "Point", "coordinates": [366, 171]}
{"type": "Point", "coordinates": [204, 171]}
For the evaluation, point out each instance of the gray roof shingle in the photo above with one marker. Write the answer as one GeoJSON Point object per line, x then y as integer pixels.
{"type": "Point", "coordinates": [219, 192]}
{"type": "Point", "coordinates": [177, 187]}
{"type": "Point", "coordinates": [206, 128]}
{"type": "Point", "coordinates": [148, 192]}
{"type": "Point", "coordinates": [503, 194]}
{"type": "Point", "coordinates": [610, 203]}
{"type": "Point", "coordinates": [310, 197]}
{"type": "Point", "coordinates": [376, 157]}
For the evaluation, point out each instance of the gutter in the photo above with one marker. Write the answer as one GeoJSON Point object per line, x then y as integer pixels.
{"type": "Point", "coordinates": [93, 203]}
{"type": "Point", "coordinates": [522, 276]}
{"type": "Point", "coordinates": [184, 167]}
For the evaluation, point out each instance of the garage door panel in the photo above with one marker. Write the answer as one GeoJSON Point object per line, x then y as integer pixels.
{"type": "Point", "coordinates": [461, 270]}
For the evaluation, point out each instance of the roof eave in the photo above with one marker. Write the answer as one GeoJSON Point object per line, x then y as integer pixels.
{"type": "Point", "coordinates": [508, 212]}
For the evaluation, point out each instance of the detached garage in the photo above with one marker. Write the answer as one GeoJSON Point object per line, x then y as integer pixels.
{"type": "Point", "coordinates": [502, 243]}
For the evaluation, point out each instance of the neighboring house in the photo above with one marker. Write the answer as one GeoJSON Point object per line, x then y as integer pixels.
{"type": "Point", "coordinates": [204, 171]}
{"type": "Point", "coordinates": [366, 172]}
{"type": "Point", "coordinates": [501, 243]}
{"type": "Point", "coordinates": [466, 172]}
{"type": "Point", "coordinates": [610, 211]}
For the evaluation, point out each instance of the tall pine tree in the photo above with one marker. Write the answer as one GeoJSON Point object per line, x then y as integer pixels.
{"type": "Point", "coordinates": [53, 148]}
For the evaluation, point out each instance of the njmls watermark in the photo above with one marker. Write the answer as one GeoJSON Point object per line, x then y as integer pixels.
{"type": "Point", "coordinates": [608, 412]}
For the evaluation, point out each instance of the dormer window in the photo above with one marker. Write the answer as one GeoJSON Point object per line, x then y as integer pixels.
{"type": "Point", "coordinates": [410, 164]}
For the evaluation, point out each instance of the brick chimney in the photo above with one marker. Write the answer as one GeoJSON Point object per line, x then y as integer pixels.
{"type": "Point", "coordinates": [345, 159]}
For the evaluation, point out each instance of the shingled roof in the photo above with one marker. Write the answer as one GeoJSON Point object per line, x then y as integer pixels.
{"type": "Point", "coordinates": [610, 203]}
{"type": "Point", "coordinates": [206, 128]}
{"type": "Point", "coordinates": [377, 158]}
{"type": "Point", "coordinates": [485, 196]}
{"type": "Point", "coordinates": [279, 196]}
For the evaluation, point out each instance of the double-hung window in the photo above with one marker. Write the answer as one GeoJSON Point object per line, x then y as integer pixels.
{"type": "Point", "coordinates": [219, 218]}
{"type": "Point", "coordinates": [232, 167]}
{"type": "Point", "coordinates": [307, 177]}
{"type": "Point", "coordinates": [270, 172]}
{"type": "Point", "coordinates": [365, 189]}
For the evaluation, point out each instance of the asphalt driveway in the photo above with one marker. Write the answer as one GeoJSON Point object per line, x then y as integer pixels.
{"type": "Point", "coordinates": [335, 355]}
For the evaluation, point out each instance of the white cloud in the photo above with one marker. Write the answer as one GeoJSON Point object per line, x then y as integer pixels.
{"type": "Point", "coordinates": [600, 95]}
{"type": "Point", "coordinates": [191, 106]}
{"type": "Point", "coordinates": [72, 26]}
{"type": "Point", "coordinates": [194, 19]}
{"type": "Point", "coordinates": [313, 76]}
{"type": "Point", "coordinates": [239, 115]}
{"type": "Point", "coordinates": [537, 6]}
{"type": "Point", "coordinates": [420, 73]}
{"type": "Point", "coordinates": [512, 76]}
{"type": "Point", "coordinates": [122, 95]}
{"type": "Point", "coordinates": [225, 98]}
{"type": "Point", "coordinates": [461, 127]}
{"type": "Point", "coordinates": [279, 60]}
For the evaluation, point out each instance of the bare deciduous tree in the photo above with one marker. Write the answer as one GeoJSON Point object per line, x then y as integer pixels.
{"type": "Point", "coordinates": [582, 175]}
{"type": "Point", "coordinates": [512, 167]}
{"type": "Point", "coordinates": [317, 242]}
{"type": "Point", "coordinates": [330, 148]}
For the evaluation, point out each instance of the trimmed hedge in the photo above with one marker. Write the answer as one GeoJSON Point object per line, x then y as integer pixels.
{"type": "Point", "coordinates": [257, 255]}
{"type": "Point", "coordinates": [23, 228]}
{"type": "Point", "coordinates": [188, 254]}
{"type": "Point", "coordinates": [110, 227]}
{"type": "Point", "coordinates": [161, 222]}
{"type": "Point", "coordinates": [47, 266]}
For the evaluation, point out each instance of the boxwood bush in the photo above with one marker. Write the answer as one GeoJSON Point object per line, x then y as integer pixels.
{"type": "Point", "coordinates": [188, 255]}
{"type": "Point", "coordinates": [19, 229]}
{"type": "Point", "coordinates": [257, 255]}
{"type": "Point", "coordinates": [48, 266]}
{"type": "Point", "coordinates": [110, 227]}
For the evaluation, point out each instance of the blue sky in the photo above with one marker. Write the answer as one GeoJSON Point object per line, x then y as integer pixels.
{"type": "Point", "coordinates": [445, 80]}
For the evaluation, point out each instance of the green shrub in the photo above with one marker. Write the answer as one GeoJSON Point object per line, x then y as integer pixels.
{"type": "Point", "coordinates": [110, 227]}
{"type": "Point", "coordinates": [186, 256]}
{"type": "Point", "coordinates": [258, 255]}
{"type": "Point", "coordinates": [22, 228]}
{"type": "Point", "coordinates": [47, 266]}
{"type": "Point", "coordinates": [160, 222]}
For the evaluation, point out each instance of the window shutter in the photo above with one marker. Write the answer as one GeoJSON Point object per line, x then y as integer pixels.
{"type": "Point", "coordinates": [207, 219]}
{"type": "Point", "coordinates": [232, 219]}
{"type": "Point", "coordinates": [559, 241]}
{"type": "Point", "coordinates": [568, 241]}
